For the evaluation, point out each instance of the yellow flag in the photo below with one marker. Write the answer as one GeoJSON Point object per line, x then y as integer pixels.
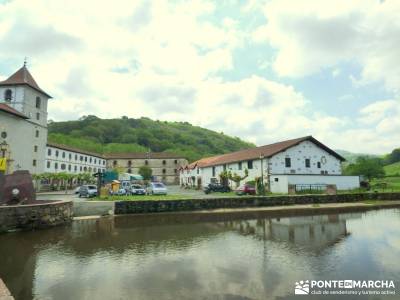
{"type": "Point", "coordinates": [3, 164]}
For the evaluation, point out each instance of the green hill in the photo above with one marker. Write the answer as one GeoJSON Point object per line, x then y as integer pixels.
{"type": "Point", "coordinates": [351, 157]}
{"type": "Point", "coordinates": [140, 135]}
{"type": "Point", "coordinates": [392, 169]}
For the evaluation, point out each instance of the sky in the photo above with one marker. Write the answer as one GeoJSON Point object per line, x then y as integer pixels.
{"type": "Point", "coordinates": [264, 71]}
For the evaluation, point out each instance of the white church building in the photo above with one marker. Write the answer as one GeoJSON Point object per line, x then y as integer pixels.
{"type": "Point", "coordinates": [23, 122]}
{"type": "Point", "coordinates": [298, 162]}
{"type": "Point", "coordinates": [23, 132]}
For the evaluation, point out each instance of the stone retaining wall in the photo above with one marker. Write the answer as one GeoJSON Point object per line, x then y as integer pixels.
{"type": "Point", "coordinates": [34, 216]}
{"type": "Point", "coordinates": [154, 206]}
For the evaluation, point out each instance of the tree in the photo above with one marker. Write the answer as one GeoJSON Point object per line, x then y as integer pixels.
{"type": "Point", "coordinates": [370, 167]}
{"type": "Point", "coordinates": [236, 178]}
{"type": "Point", "coordinates": [145, 172]}
{"type": "Point", "coordinates": [394, 156]}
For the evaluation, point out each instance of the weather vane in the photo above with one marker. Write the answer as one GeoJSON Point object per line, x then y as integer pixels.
{"type": "Point", "coordinates": [25, 61]}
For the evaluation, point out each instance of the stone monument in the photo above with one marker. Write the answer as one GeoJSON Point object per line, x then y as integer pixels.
{"type": "Point", "coordinates": [17, 188]}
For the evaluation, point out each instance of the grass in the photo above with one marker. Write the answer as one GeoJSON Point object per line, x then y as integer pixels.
{"type": "Point", "coordinates": [160, 197]}
{"type": "Point", "coordinates": [386, 184]}
{"type": "Point", "coordinates": [393, 169]}
{"type": "Point", "coordinates": [140, 198]}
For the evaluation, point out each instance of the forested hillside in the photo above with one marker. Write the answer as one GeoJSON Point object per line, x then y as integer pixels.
{"type": "Point", "coordinates": [140, 135]}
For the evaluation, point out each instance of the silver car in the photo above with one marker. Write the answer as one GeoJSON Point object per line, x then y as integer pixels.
{"type": "Point", "coordinates": [157, 188]}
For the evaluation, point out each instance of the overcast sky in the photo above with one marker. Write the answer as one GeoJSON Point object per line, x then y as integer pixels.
{"type": "Point", "coordinates": [260, 70]}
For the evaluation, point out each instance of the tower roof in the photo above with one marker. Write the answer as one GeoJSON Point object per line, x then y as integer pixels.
{"type": "Point", "coordinates": [23, 76]}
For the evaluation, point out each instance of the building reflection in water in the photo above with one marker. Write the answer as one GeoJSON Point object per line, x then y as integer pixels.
{"type": "Point", "coordinates": [310, 232]}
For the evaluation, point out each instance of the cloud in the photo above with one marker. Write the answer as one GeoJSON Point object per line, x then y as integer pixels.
{"type": "Point", "coordinates": [310, 37]}
{"type": "Point", "coordinates": [165, 62]}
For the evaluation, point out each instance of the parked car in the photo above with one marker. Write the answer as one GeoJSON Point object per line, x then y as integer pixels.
{"type": "Point", "coordinates": [157, 188]}
{"type": "Point", "coordinates": [216, 187]}
{"type": "Point", "coordinates": [122, 192]}
{"type": "Point", "coordinates": [88, 191]}
{"type": "Point", "coordinates": [77, 190]}
{"type": "Point", "coordinates": [126, 185]}
{"type": "Point", "coordinates": [137, 189]}
{"type": "Point", "coordinates": [246, 189]}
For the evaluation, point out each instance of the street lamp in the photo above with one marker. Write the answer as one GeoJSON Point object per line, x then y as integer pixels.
{"type": "Point", "coordinates": [3, 148]}
{"type": "Point", "coordinates": [262, 171]}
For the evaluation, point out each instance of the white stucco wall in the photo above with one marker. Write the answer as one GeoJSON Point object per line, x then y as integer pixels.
{"type": "Point", "coordinates": [22, 139]}
{"type": "Point", "coordinates": [298, 154]}
{"type": "Point", "coordinates": [341, 182]}
{"type": "Point", "coordinates": [70, 162]}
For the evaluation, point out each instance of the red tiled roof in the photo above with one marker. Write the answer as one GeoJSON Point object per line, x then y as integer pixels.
{"type": "Point", "coordinates": [254, 153]}
{"type": "Point", "coordinates": [141, 155]}
{"type": "Point", "coordinates": [8, 109]}
{"type": "Point", "coordinates": [22, 76]}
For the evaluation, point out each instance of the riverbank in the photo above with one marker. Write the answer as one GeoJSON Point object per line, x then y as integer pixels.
{"type": "Point", "coordinates": [151, 206]}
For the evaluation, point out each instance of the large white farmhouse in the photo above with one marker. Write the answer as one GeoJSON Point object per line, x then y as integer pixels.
{"type": "Point", "coordinates": [301, 161]}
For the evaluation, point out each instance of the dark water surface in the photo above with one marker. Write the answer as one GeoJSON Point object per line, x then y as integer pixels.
{"type": "Point", "coordinates": [186, 257]}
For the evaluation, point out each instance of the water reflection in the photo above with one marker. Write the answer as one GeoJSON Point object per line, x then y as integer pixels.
{"type": "Point", "coordinates": [202, 257]}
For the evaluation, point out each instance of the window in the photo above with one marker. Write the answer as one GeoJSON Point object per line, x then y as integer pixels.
{"type": "Point", "coordinates": [63, 155]}
{"type": "Point", "coordinates": [104, 162]}
{"type": "Point", "coordinates": [129, 163]}
{"type": "Point", "coordinates": [288, 163]}
{"type": "Point", "coordinates": [146, 162]}
{"type": "Point", "coordinates": [175, 161]}
{"type": "Point", "coordinates": [319, 165]}
{"type": "Point", "coordinates": [90, 169]}
{"type": "Point", "coordinates": [76, 157]}
{"type": "Point", "coordinates": [81, 158]}
{"type": "Point", "coordinates": [69, 167]}
{"type": "Point", "coordinates": [94, 169]}
{"type": "Point", "coordinates": [176, 171]}
{"type": "Point", "coordinates": [38, 116]}
{"type": "Point", "coordinates": [198, 170]}
{"type": "Point", "coordinates": [95, 160]}
{"type": "Point", "coordinates": [213, 171]}
{"type": "Point", "coordinates": [239, 165]}
{"type": "Point", "coordinates": [56, 153]}
{"type": "Point", "coordinates": [164, 162]}
{"type": "Point", "coordinates": [90, 160]}
{"type": "Point", "coordinates": [63, 166]}
{"type": "Point", "coordinates": [49, 152]}
{"type": "Point", "coordinates": [70, 156]}
{"type": "Point", "coordinates": [38, 102]}
{"type": "Point", "coordinates": [276, 179]}
{"type": "Point", "coordinates": [37, 133]}
{"type": "Point", "coordinates": [34, 163]}
{"type": "Point", "coordinates": [35, 148]}
{"type": "Point", "coordinates": [164, 171]}
{"type": "Point", "coordinates": [4, 134]}
{"type": "Point", "coordinates": [129, 170]}
{"type": "Point", "coordinates": [48, 165]}
{"type": "Point", "coordinates": [249, 164]}
{"type": "Point", "coordinates": [85, 169]}
{"type": "Point", "coordinates": [80, 168]}
{"type": "Point", "coordinates": [56, 166]}
{"type": "Point", "coordinates": [76, 168]}
{"type": "Point", "coordinates": [307, 161]}
{"type": "Point", "coordinates": [8, 95]}
{"type": "Point", "coordinates": [114, 163]}
{"type": "Point", "coordinates": [85, 158]}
